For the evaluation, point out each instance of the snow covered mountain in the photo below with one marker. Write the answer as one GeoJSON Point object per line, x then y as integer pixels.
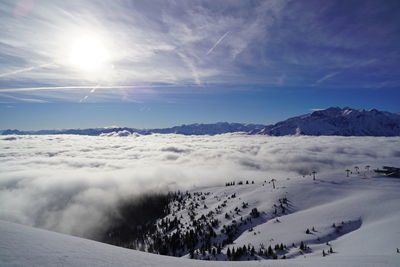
{"type": "Point", "coordinates": [332, 121]}
{"type": "Point", "coordinates": [190, 129]}
{"type": "Point", "coordinates": [341, 221]}
{"type": "Point", "coordinates": [338, 121]}
{"type": "Point", "coordinates": [207, 129]}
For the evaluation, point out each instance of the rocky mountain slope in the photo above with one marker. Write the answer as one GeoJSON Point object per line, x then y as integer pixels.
{"type": "Point", "coordinates": [337, 121]}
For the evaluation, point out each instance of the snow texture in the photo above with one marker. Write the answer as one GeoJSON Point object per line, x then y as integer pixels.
{"type": "Point", "coordinates": [367, 206]}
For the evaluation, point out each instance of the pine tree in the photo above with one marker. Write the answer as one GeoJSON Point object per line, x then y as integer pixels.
{"type": "Point", "coordinates": [270, 251]}
{"type": "Point", "coordinates": [252, 251]}
{"type": "Point", "coordinates": [191, 252]}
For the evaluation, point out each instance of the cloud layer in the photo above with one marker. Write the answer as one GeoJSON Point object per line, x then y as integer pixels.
{"type": "Point", "coordinates": [72, 184]}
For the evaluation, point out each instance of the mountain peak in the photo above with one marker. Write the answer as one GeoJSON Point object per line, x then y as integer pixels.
{"type": "Point", "coordinates": [338, 121]}
{"type": "Point", "coordinates": [330, 121]}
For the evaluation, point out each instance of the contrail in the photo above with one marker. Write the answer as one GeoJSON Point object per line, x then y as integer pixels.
{"type": "Point", "coordinates": [24, 99]}
{"type": "Point", "coordinates": [87, 87]}
{"type": "Point", "coordinates": [217, 43]}
{"type": "Point", "coordinates": [326, 77]}
{"type": "Point", "coordinates": [84, 98]}
{"type": "Point", "coordinates": [91, 92]}
{"type": "Point", "coordinates": [25, 70]}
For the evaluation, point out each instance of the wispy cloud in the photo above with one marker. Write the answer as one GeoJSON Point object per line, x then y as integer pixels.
{"type": "Point", "coordinates": [147, 42]}
{"type": "Point", "coordinates": [165, 42]}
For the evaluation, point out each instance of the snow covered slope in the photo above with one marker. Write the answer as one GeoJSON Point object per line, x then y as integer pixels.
{"type": "Point", "coordinates": [368, 235]}
{"type": "Point", "coordinates": [338, 121]}
{"type": "Point", "coordinates": [351, 216]}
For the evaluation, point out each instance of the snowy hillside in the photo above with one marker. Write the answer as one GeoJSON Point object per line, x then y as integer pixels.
{"type": "Point", "coordinates": [338, 121]}
{"type": "Point", "coordinates": [332, 216]}
{"type": "Point", "coordinates": [364, 211]}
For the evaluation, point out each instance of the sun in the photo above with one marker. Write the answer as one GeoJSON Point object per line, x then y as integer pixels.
{"type": "Point", "coordinates": [88, 53]}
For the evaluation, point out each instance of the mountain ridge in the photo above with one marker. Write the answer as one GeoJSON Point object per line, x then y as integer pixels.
{"type": "Point", "coordinates": [185, 129]}
{"type": "Point", "coordinates": [337, 121]}
{"type": "Point", "coordinates": [331, 121]}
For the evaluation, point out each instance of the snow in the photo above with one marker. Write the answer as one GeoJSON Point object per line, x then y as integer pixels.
{"type": "Point", "coordinates": [119, 134]}
{"type": "Point", "coordinates": [362, 204]}
{"type": "Point", "coordinates": [338, 121]}
{"type": "Point", "coordinates": [69, 183]}
{"type": "Point", "coordinates": [371, 201]}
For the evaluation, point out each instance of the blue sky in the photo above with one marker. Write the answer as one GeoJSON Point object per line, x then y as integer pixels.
{"type": "Point", "coordinates": [66, 64]}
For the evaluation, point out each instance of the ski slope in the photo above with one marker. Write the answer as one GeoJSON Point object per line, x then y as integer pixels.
{"type": "Point", "coordinates": [367, 206]}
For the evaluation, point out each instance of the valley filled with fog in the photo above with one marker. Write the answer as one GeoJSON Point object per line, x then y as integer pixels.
{"type": "Point", "coordinates": [74, 184]}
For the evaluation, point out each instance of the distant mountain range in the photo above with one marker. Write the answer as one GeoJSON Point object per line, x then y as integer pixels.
{"type": "Point", "coordinates": [332, 121]}
{"type": "Point", "coordinates": [337, 121]}
{"type": "Point", "coordinates": [191, 129]}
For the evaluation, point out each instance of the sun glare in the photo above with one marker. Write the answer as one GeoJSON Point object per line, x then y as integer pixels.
{"type": "Point", "coordinates": [88, 54]}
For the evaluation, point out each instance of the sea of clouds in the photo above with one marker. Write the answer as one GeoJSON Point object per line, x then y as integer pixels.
{"type": "Point", "coordinates": [74, 184]}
